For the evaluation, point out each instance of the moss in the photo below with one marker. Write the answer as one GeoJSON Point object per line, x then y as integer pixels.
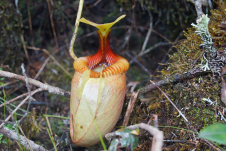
{"type": "Point", "coordinates": [188, 94]}
{"type": "Point", "coordinates": [217, 26]}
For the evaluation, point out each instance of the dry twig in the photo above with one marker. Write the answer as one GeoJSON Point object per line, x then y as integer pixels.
{"type": "Point", "coordinates": [21, 103]}
{"type": "Point", "coordinates": [34, 48]}
{"type": "Point", "coordinates": [14, 99]}
{"type": "Point", "coordinates": [187, 122]}
{"type": "Point", "coordinates": [140, 64]}
{"type": "Point", "coordinates": [150, 49]}
{"type": "Point", "coordinates": [25, 142]}
{"type": "Point", "coordinates": [27, 85]}
{"type": "Point", "coordinates": [169, 50]}
{"type": "Point", "coordinates": [24, 136]}
{"type": "Point", "coordinates": [158, 135]}
{"type": "Point", "coordinates": [44, 87]}
{"type": "Point", "coordinates": [173, 79]}
{"type": "Point", "coordinates": [50, 129]}
{"type": "Point", "coordinates": [130, 107]}
{"type": "Point", "coordinates": [30, 23]}
{"type": "Point", "coordinates": [52, 23]}
{"type": "Point", "coordinates": [41, 69]}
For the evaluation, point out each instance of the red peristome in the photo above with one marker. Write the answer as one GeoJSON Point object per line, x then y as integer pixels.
{"type": "Point", "coordinates": [114, 63]}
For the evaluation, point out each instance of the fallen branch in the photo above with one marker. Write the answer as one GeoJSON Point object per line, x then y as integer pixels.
{"type": "Point", "coordinates": [23, 140]}
{"type": "Point", "coordinates": [44, 86]}
{"type": "Point", "coordinates": [196, 72]}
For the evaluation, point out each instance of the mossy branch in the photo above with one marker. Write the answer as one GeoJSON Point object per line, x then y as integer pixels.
{"type": "Point", "coordinates": [196, 72]}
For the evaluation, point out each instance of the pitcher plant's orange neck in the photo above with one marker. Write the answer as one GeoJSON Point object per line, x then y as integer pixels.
{"type": "Point", "coordinates": [105, 58]}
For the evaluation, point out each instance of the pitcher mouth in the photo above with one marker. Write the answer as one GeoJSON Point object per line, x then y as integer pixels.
{"type": "Point", "coordinates": [105, 60]}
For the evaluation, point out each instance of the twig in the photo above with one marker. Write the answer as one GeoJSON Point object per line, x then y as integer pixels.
{"type": "Point", "coordinates": [181, 33]}
{"type": "Point", "coordinates": [210, 144]}
{"type": "Point", "coordinates": [9, 110]}
{"type": "Point", "coordinates": [8, 83]}
{"type": "Point", "coordinates": [76, 29]}
{"type": "Point", "coordinates": [21, 35]}
{"type": "Point", "coordinates": [130, 107]}
{"type": "Point", "coordinates": [158, 135]}
{"type": "Point", "coordinates": [126, 41]}
{"type": "Point", "coordinates": [153, 47]}
{"type": "Point", "coordinates": [24, 136]}
{"type": "Point", "coordinates": [150, 49]}
{"type": "Point", "coordinates": [148, 35]}
{"type": "Point", "coordinates": [13, 135]}
{"type": "Point", "coordinates": [134, 19]}
{"type": "Point", "coordinates": [23, 117]}
{"type": "Point", "coordinates": [2, 121]}
{"type": "Point", "coordinates": [52, 23]}
{"type": "Point", "coordinates": [44, 87]}
{"type": "Point", "coordinates": [58, 142]}
{"type": "Point", "coordinates": [34, 48]}
{"type": "Point", "coordinates": [41, 69]}
{"type": "Point", "coordinates": [172, 104]}
{"type": "Point", "coordinates": [27, 85]}
{"type": "Point", "coordinates": [95, 4]}
{"type": "Point", "coordinates": [179, 141]}
{"type": "Point", "coordinates": [30, 23]}
{"type": "Point", "coordinates": [156, 124]}
{"type": "Point", "coordinates": [174, 79]}
{"type": "Point", "coordinates": [21, 103]}
{"type": "Point", "coordinates": [24, 46]}
{"type": "Point", "coordinates": [154, 31]}
{"type": "Point", "coordinates": [47, 120]}
{"type": "Point", "coordinates": [14, 99]}
{"type": "Point", "coordinates": [135, 60]}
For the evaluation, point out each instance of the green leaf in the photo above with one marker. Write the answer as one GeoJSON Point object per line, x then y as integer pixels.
{"type": "Point", "coordinates": [113, 145]}
{"type": "Point", "coordinates": [214, 132]}
{"type": "Point", "coordinates": [127, 139]}
{"type": "Point", "coordinates": [9, 126]}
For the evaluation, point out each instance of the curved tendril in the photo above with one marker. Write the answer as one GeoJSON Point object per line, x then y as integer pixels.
{"type": "Point", "coordinates": [71, 51]}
